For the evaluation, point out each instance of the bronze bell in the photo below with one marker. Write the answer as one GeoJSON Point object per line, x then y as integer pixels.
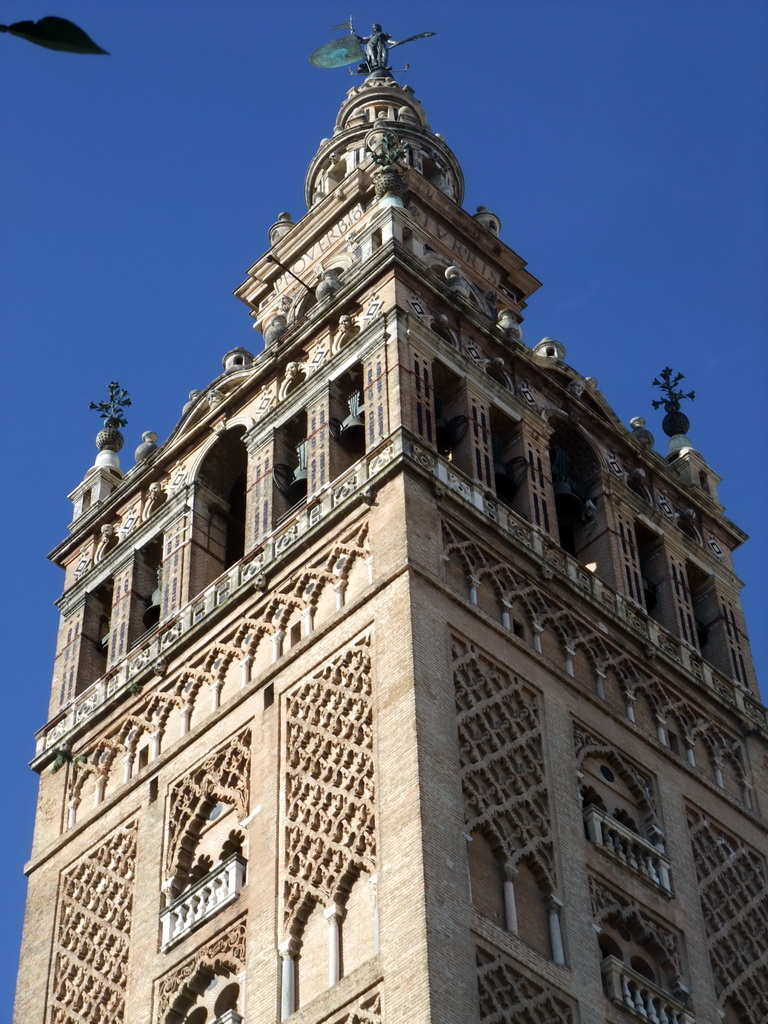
{"type": "Point", "coordinates": [151, 615]}
{"type": "Point", "coordinates": [293, 482]}
{"type": "Point", "coordinates": [568, 504]}
{"type": "Point", "coordinates": [351, 433]}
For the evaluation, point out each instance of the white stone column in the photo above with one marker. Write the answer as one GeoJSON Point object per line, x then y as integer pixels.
{"type": "Point", "coordinates": [554, 906]}
{"type": "Point", "coordinates": [600, 684]}
{"type": "Point", "coordinates": [215, 689]}
{"type": "Point", "coordinates": [510, 903]}
{"type": "Point", "coordinates": [333, 915]}
{"type": "Point", "coordinates": [374, 881]}
{"type": "Point", "coordinates": [154, 744]}
{"type": "Point", "coordinates": [537, 631]}
{"type": "Point", "coordinates": [245, 670]}
{"type": "Point", "coordinates": [101, 785]}
{"type": "Point", "coordinates": [186, 715]}
{"type": "Point", "coordinates": [287, 981]}
{"type": "Point", "coordinates": [72, 812]}
{"type": "Point", "coordinates": [340, 589]}
{"type": "Point", "coordinates": [277, 645]}
{"type": "Point", "coordinates": [569, 652]}
{"type": "Point", "coordinates": [127, 766]}
{"type": "Point", "coordinates": [307, 621]}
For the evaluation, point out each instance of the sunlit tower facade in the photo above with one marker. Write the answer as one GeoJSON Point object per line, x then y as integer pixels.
{"type": "Point", "coordinates": [402, 682]}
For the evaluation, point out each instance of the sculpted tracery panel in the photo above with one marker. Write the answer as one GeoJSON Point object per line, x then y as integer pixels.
{"type": "Point", "coordinates": [223, 956]}
{"type": "Point", "coordinates": [89, 973]}
{"type": "Point", "coordinates": [733, 888]}
{"type": "Point", "coordinates": [506, 995]}
{"type": "Point", "coordinates": [223, 776]}
{"type": "Point", "coordinates": [502, 764]}
{"type": "Point", "coordinates": [330, 830]}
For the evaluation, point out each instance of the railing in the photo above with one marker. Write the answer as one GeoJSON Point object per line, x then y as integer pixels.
{"type": "Point", "coordinates": [207, 897]}
{"type": "Point", "coordinates": [164, 639]}
{"type": "Point", "coordinates": [632, 850]}
{"type": "Point", "coordinates": [558, 561]}
{"type": "Point", "coordinates": [641, 997]}
{"type": "Point", "coordinates": [163, 642]}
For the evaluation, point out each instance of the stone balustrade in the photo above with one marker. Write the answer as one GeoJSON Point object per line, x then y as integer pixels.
{"type": "Point", "coordinates": [635, 852]}
{"type": "Point", "coordinates": [201, 901]}
{"type": "Point", "coordinates": [641, 997]}
{"type": "Point", "coordinates": [577, 575]}
{"type": "Point", "coordinates": [164, 642]}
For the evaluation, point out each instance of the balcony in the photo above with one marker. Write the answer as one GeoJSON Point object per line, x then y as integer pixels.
{"type": "Point", "coordinates": [201, 901]}
{"type": "Point", "coordinates": [627, 846]}
{"type": "Point", "coordinates": [640, 997]}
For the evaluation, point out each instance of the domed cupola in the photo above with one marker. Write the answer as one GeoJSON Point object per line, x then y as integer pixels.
{"type": "Point", "coordinates": [382, 102]}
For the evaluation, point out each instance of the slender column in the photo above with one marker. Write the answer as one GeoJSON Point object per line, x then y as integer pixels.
{"type": "Point", "coordinates": [186, 715]}
{"type": "Point", "coordinates": [554, 905]}
{"type": "Point", "coordinates": [287, 981]}
{"type": "Point", "coordinates": [340, 588]}
{"type": "Point", "coordinates": [333, 915]}
{"type": "Point", "coordinates": [374, 881]}
{"type": "Point", "coordinates": [307, 624]}
{"type": "Point", "coordinates": [510, 903]}
{"type": "Point", "coordinates": [101, 785]}
{"type": "Point", "coordinates": [569, 652]}
{"type": "Point", "coordinates": [245, 670]}
{"type": "Point", "coordinates": [215, 689]}
{"type": "Point", "coordinates": [72, 812]}
{"type": "Point", "coordinates": [600, 684]}
{"type": "Point", "coordinates": [277, 645]}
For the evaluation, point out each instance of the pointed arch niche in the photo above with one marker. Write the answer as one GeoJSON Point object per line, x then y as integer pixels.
{"type": "Point", "coordinates": [218, 526]}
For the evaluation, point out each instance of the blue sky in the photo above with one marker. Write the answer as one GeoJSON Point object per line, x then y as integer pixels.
{"type": "Point", "coordinates": [623, 144]}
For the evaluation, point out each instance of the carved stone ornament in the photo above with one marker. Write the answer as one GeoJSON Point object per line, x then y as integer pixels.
{"type": "Point", "coordinates": [89, 974]}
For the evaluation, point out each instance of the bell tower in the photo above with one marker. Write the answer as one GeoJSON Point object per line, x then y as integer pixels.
{"type": "Point", "coordinates": [403, 682]}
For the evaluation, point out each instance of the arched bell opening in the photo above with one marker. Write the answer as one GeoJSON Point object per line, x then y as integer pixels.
{"type": "Point", "coordinates": [148, 587]}
{"type": "Point", "coordinates": [509, 465]}
{"type": "Point", "coordinates": [574, 475]}
{"type": "Point", "coordinates": [347, 423]}
{"type": "Point", "coordinates": [219, 509]}
{"type": "Point", "coordinates": [290, 471]}
{"type": "Point", "coordinates": [450, 418]}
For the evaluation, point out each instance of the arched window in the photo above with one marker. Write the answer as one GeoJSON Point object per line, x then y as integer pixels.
{"type": "Point", "coordinates": [219, 509]}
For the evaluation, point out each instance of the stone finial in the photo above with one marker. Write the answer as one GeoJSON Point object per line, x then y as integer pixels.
{"type": "Point", "coordinates": [276, 328]}
{"type": "Point", "coordinates": [639, 431]}
{"type": "Point", "coordinates": [147, 447]}
{"type": "Point", "coordinates": [280, 228]}
{"type": "Point", "coordinates": [193, 397]}
{"type": "Point", "coordinates": [457, 282]}
{"type": "Point", "coordinates": [238, 359]}
{"type": "Point", "coordinates": [488, 220]}
{"type": "Point", "coordinates": [548, 348]}
{"type": "Point", "coordinates": [329, 284]}
{"type": "Point", "coordinates": [508, 324]}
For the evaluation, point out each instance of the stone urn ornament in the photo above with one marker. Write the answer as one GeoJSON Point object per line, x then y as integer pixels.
{"type": "Point", "coordinates": [675, 422]}
{"type": "Point", "coordinates": [109, 438]}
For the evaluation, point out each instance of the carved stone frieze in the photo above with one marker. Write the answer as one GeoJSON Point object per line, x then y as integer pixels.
{"type": "Point", "coordinates": [223, 775]}
{"type": "Point", "coordinates": [223, 956]}
{"type": "Point", "coordinates": [330, 823]}
{"type": "Point", "coordinates": [506, 995]}
{"type": "Point", "coordinates": [502, 762]}
{"type": "Point", "coordinates": [91, 954]}
{"type": "Point", "coordinates": [733, 888]}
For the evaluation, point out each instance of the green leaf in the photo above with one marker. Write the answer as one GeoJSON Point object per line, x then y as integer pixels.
{"type": "Point", "coordinates": [54, 34]}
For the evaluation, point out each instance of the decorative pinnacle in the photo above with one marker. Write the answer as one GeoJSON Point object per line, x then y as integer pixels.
{"type": "Point", "coordinates": [667, 384]}
{"type": "Point", "coordinates": [111, 411]}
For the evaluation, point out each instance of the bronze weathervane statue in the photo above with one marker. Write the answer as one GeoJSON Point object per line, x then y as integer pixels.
{"type": "Point", "coordinates": [371, 53]}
